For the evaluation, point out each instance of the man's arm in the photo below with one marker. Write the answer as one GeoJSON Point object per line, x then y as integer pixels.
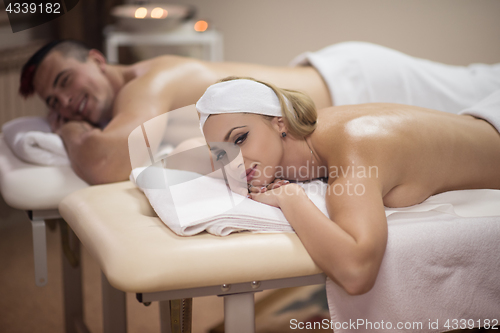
{"type": "Point", "coordinates": [101, 156]}
{"type": "Point", "coordinates": [73, 134]}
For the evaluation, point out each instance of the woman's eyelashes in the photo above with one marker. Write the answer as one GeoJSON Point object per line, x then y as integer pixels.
{"type": "Point", "coordinates": [220, 155]}
{"type": "Point", "coordinates": [64, 83]}
{"type": "Point", "coordinates": [240, 139]}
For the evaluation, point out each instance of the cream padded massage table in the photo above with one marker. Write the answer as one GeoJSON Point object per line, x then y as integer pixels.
{"type": "Point", "coordinates": [38, 191]}
{"type": "Point", "coordinates": [139, 254]}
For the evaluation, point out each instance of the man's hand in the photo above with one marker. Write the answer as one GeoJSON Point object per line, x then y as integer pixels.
{"type": "Point", "coordinates": [74, 130]}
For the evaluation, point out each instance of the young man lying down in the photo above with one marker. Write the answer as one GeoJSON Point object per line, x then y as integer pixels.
{"type": "Point", "coordinates": [94, 105]}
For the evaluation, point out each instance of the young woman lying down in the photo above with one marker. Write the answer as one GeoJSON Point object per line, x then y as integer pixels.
{"type": "Point", "coordinates": [373, 155]}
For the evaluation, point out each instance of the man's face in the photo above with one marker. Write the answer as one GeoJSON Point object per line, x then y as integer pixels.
{"type": "Point", "coordinates": [73, 89]}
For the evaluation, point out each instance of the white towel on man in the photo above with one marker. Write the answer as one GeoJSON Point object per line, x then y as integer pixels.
{"type": "Point", "coordinates": [32, 141]}
{"type": "Point", "coordinates": [487, 109]}
{"type": "Point", "coordinates": [359, 72]}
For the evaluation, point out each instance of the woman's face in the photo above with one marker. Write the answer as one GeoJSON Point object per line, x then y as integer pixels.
{"type": "Point", "coordinates": [258, 138]}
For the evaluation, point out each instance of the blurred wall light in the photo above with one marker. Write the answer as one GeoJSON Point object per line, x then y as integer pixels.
{"type": "Point", "coordinates": [159, 13]}
{"type": "Point", "coordinates": [201, 26]}
{"type": "Point", "coordinates": [141, 12]}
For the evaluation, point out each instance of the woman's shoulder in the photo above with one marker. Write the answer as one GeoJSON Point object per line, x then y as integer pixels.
{"type": "Point", "coordinates": [365, 130]}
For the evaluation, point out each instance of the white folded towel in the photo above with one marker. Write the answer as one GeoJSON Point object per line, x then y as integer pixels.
{"type": "Point", "coordinates": [32, 141]}
{"type": "Point", "coordinates": [192, 203]}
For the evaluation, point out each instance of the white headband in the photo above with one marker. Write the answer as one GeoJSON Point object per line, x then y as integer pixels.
{"type": "Point", "coordinates": [240, 95]}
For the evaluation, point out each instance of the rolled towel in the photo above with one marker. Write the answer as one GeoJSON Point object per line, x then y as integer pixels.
{"type": "Point", "coordinates": [32, 141]}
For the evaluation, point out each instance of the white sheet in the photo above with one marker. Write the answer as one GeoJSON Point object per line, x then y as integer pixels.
{"type": "Point", "coordinates": [439, 271]}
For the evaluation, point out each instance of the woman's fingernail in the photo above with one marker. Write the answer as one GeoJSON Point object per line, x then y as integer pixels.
{"type": "Point", "coordinates": [286, 181]}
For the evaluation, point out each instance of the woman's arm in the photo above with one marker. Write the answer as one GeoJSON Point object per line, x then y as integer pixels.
{"type": "Point", "coordinates": [349, 249]}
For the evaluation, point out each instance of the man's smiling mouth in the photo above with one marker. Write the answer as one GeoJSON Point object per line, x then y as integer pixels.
{"type": "Point", "coordinates": [83, 104]}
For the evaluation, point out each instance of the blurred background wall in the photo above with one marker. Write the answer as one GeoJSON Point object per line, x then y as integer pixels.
{"type": "Point", "coordinates": [273, 31]}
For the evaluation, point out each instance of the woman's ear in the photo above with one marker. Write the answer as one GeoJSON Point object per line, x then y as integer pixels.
{"type": "Point", "coordinates": [278, 124]}
{"type": "Point", "coordinates": [97, 57]}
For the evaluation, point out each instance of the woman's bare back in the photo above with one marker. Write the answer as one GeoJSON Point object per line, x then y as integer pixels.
{"type": "Point", "coordinates": [417, 152]}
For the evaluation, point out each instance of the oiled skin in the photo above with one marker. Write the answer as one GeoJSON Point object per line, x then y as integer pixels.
{"type": "Point", "coordinates": [136, 93]}
{"type": "Point", "coordinates": [417, 152]}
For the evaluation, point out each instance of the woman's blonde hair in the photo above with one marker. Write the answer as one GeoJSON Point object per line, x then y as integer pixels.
{"type": "Point", "coordinates": [301, 120]}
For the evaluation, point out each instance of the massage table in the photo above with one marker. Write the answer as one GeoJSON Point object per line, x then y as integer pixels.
{"type": "Point", "coordinates": [139, 254]}
{"type": "Point", "coordinates": [38, 190]}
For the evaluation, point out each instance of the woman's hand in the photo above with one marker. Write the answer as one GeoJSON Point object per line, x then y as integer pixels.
{"type": "Point", "coordinates": [276, 195]}
{"type": "Point", "coordinates": [275, 184]}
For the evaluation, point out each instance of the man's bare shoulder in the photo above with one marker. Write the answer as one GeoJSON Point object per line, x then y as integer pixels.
{"type": "Point", "coordinates": [165, 63]}
{"type": "Point", "coordinates": [164, 82]}
{"type": "Point", "coordinates": [166, 69]}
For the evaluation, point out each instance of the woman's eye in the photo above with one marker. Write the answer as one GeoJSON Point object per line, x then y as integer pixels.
{"type": "Point", "coordinates": [220, 155]}
{"type": "Point", "coordinates": [65, 81]}
{"type": "Point", "coordinates": [241, 139]}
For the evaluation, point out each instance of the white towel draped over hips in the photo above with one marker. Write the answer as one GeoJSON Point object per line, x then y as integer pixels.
{"type": "Point", "coordinates": [359, 72]}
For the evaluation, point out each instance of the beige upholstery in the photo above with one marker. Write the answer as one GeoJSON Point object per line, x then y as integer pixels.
{"type": "Point", "coordinates": [138, 253]}
{"type": "Point", "coordinates": [33, 187]}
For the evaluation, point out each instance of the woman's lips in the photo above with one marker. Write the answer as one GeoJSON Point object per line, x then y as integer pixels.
{"type": "Point", "coordinates": [250, 173]}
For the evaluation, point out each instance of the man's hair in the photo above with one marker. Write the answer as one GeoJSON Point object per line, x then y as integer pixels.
{"type": "Point", "coordinates": [68, 48]}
